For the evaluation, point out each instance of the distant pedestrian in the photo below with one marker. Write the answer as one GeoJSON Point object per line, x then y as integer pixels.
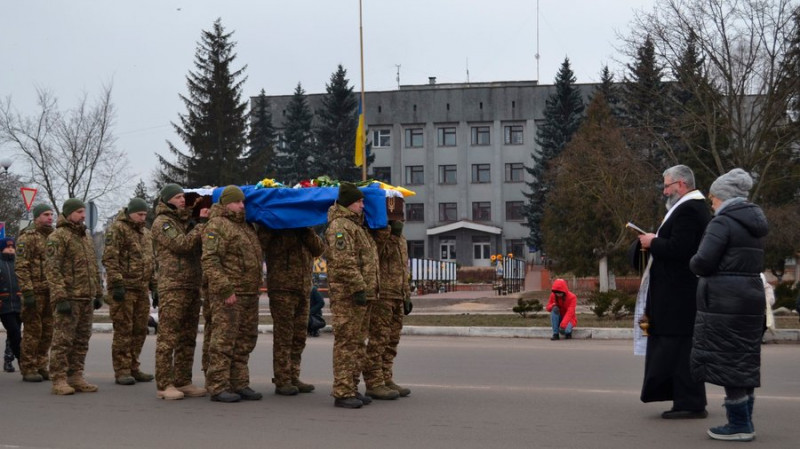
{"type": "Point", "coordinates": [10, 304]}
{"type": "Point", "coordinates": [316, 322]}
{"type": "Point", "coordinates": [562, 306]}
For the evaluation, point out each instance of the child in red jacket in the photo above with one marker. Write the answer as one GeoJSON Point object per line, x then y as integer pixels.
{"type": "Point", "coordinates": [562, 310]}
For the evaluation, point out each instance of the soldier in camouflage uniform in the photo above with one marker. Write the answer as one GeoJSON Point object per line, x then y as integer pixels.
{"type": "Point", "coordinates": [178, 249]}
{"type": "Point", "coordinates": [37, 315]}
{"type": "Point", "coordinates": [128, 259]}
{"type": "Point", "coordinates": [75, 288]}
{"type": "Point", "coordinates": [353, 278]}
{"type": "Point", "coordinates": [290, 257]}
{"type": "Point", "coordinates": [232, 263]}
{"type": "Point", "coordinates": [386, 319]}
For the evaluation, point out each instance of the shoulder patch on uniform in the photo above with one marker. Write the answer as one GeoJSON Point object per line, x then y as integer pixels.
{"type": "Point", "coordinates": [211, 235]}
{"type": "Point", "coordinates": [51, 247]}
{"type": "Point", "coordinates": [166, 226]}
{"type": "Point", "coordinates": [109, 236]}
{"type": "Point", "coordinates": [340, 242]}
{"type": "Point", "coordinates": [20, 248]}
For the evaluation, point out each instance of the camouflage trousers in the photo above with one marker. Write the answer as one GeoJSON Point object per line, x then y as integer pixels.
{"type": "Point", "coordinates": [207, 326]}
{"type": "Point", "coordinates": [289, 312]}
{"type": "Point", "coordinates": [129, 317]}
{"type": "Point", "coordinates": [178, 318]}
{"type": "Point", "coordinates": [37, 335]}
{"type": "Point", "coordinates": [233, 337]}
{"type": "Point", "coordinates": [385, 324]}
{"type": "Point", "coordinates": [350, 323]}
{"type": "Point", "coordinates": [71, 333]}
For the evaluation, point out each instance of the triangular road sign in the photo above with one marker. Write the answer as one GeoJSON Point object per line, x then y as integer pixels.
{"type": "Point", "coordinates": [28, 195]}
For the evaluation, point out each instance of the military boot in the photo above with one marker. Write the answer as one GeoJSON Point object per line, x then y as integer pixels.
{"type": "Point", "coordinates": [80, 385]}
{"type": "Point", "coordinates": [286, 390]}
{"type": "Point", "coordinates": [191, 391]}
{"type": "Point", "coordinates": [347, 403]}
{"type": "Point", "coordinates": [126, 379]}
{"type": "Point", "coordinates": [402, 390]}
{"type": "Point", "coordinates": [32, 377]}
{"type": "Point", "coordinates": [61, 388]}
{"type": "Point", "coordinates": [382, 392]}
{"type": "Point", "coordinates": [302, 387]}
{"type": "Point", "coordinates": [141, 376]}
{"type": "Point", "coordinates": [170, 393]}
{"type": "Point", "coordinates": [44, 373]}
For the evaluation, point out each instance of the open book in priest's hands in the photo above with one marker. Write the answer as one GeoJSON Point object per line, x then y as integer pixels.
{"type": "Point", "coordinates": [630, 225]}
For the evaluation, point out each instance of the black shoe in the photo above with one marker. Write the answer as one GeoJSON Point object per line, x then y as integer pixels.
{"type": "Point", "coordinates": [684, 414]}
{"type": "Point", "coordinates": [555, 337]}
{"type": "Point", "coordinates": [247, 394]}
{"type": "Point", "coordinates": [366, 400]}
{"type": "Point", "coordinates": [9, 367]}
{"type": "Point", "coordinates": [226, 396]}
{"type": "Point", "coordinates": [347, 403]}
{"type": "Point", "coordinates": [568, 337]}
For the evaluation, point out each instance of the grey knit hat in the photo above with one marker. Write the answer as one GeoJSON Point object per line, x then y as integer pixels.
{"type": "Point", "coordinates": [734, 184]}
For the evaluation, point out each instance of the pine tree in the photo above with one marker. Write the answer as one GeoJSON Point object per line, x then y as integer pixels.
{"type": "Point", "coordinates": [293, 161]}
{"type": "Point", "coordinates": [644, 112]}
{"type": "Point", "coordinates": [141, 192]}
{"type": "Point", "coordinates": [337, 121]}
{"type": "Point", "coordinates": [214, 127]}
{"type": "Point", "coordinates": [259, 159]}
{"type": "Point", "coordinates": [609, 89]}
{"type": "Point", "coordinates": [562, 117]}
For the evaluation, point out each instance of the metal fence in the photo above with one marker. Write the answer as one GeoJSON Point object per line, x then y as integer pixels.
{"type": "Point", "coordinates": [510, 276]}
{"type": "Point", "coordinates": [432, 276]}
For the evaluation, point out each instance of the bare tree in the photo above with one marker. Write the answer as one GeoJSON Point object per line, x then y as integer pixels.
{"type": "Point", "coordinates": [71, 153]}
{"type": "Point", "coordinates": [742, 109]}
{"type": "Point", "coordinates": [11, 206]}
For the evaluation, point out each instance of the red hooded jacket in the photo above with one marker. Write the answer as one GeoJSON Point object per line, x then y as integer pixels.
{"type": "Point", "coordinates": [566, 304]}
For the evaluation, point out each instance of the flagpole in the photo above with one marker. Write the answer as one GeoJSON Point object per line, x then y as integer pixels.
{"type": "Point", "coordinates": [363, 106]}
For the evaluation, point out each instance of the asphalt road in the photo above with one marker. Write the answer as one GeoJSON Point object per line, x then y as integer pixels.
{"type": "Point", "coordinates": [466, 393]}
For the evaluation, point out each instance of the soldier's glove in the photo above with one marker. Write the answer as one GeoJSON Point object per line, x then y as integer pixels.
{"type": "Point", "coordinates": [64, 307]}
{"type": "Point", "coordinates": [28, 298]}
{"type": "Point", "coordinates": [98, 301]}
{"type": "Point", "coordinates": [118, 292]}
{"type": "Point", "coordinates": [360, 298]}
{"type": "Point", "coordinates": [408, 306]}
{"type": "Point", "coordinates": [396, 227]}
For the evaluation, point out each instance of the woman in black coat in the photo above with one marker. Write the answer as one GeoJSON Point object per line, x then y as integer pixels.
{"type": "Point", "coordinates": [726, 348]}
{"type": "Point", "coordinates": [10, 305]}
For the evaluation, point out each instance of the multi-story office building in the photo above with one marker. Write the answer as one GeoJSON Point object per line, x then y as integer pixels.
{"type": "Point", "coordinates": [463, 149]}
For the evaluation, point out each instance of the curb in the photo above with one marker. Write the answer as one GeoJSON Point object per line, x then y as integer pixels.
{"type": "Point", "coordinates": [780, 335]}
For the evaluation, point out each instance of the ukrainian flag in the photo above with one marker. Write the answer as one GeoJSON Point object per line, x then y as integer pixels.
{"type": "Point", "coordinates": [360, 137]}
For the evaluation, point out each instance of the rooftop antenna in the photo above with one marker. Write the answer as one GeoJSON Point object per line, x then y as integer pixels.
{"type": "Point", "coordinates": [467, 69]}
{"type": "Point", "coordinates": [536, 56]}
{"type": "Point", "coordinates": [398, 76]}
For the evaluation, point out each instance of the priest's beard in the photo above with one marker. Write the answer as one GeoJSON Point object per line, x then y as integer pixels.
{"type": "Point", "coordinates": [671, 200]}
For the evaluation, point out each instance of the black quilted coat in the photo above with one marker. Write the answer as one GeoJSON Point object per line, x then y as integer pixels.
{"type": "Point", "coordinates": [726, 348]}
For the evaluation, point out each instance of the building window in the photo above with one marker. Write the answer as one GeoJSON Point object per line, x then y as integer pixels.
{"type": "Point", "coordinates": [416, 249]}
{"type": "Point", "coordinates": [447, 248]}
{"type": "Point", "coordinates": [514, 172]}
{"type": "Point", "coordinates": [482, 211]}
{"type": "Point", "coordinates": [481, 173]}
{"type": "Point", "coordinates": [513, 135]}
{"type": "Point", "coordinates": [415, 212]}
{"type": "Point", "coordinates": [447, 174]}
{"type": "Point", "coordinates": [516, 248]}
{"type": "Point", "coordinates": [446, 137]}
{"type": "Point", "coordinates": [514, 211]}
{"type": "Point", "coordinates": [382, 174]}
{"type": "Point", "coordinates": [413, 137]}
{"type": "Point", "coordinates": [480, 135]}
{"type": "Point", "coordinates": [481, 248]}
{"type": "Point", "coordinates": [415, 175]}
{"type": "Point", "coordinates": [448, 212]}
{"type": "Point", "coordinates": [382, 138]}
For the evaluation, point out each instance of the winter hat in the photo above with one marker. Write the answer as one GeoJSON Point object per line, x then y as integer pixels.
{"type": "Point", "coordinates": [734, 184]}
{"type": "Point", "coordinates": [6, 242]}
{"type": "Point", "coordinates": [168, 191]}
{"type": "Point", "coordinates": [348, 194]}
{"type": "Point", "coordinates": [71, 205]}
{"type": "Point", "coordinates": [39, 209]}
{"type": "Point", "coordinates": [137, 205]}
{"type": "Point", "coordinates": [231, 194]}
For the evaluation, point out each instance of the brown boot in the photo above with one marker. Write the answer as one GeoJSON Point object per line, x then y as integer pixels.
{"type": "Point", "coordinates": [170, 393]}
{"type": "Point", "coordinates": [191, 391]}
{"type": "Point", "coordinates": [61, 388]}
{"type": "Point", "coordinates": [80, 385]}
{"type": "Point", "coordinates": [302, 387]}
{"type": "Point", "coordinates": [402, 390]}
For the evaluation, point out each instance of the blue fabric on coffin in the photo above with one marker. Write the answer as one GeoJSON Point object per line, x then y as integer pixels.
{"type": "Point", "coordinates": [284, 208]}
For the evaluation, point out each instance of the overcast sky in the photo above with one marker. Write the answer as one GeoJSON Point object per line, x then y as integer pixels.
{"type": "Point", "coordinates": [145, 48]}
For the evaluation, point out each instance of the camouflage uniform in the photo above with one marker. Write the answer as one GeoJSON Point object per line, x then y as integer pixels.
{"type": "Point", "coordinates": [128, 259]}
{"type": "Point", "coordinates": [37, 332]}
{"type": "Point", "coordinates": [232, 263]}
{"type": "Point", "coordinates": [178, 249]}
{"type": "Point", "coordinates": [290, 258]}
{"type": "Point", "coordinates": [73, 276]}
{"type": "Point", "coordinates": [352, 267]}
{"type": "Point", "coordinates": [386, 319]}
